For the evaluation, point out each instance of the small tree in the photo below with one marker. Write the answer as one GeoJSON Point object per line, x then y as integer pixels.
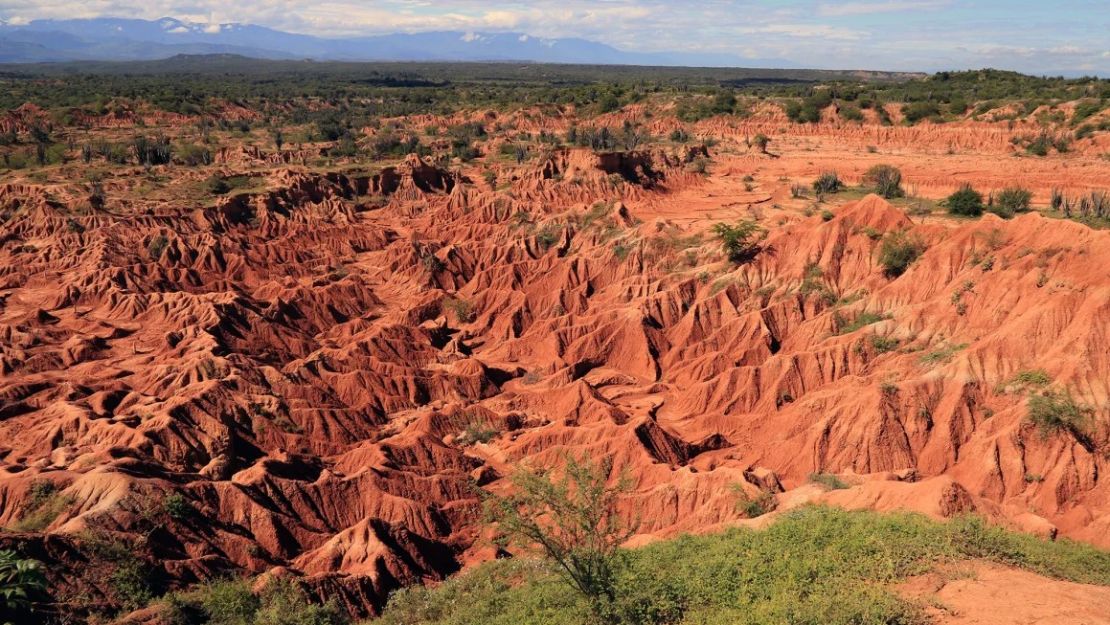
{"type": "Point", "coordinates": [898, 251]}
{"type": "Point", "coordinates": [279, 139]}
{"type": "Point", "coordinates": [966, 201]}
{"type": "Point", "coordinates": [886, 180]}
{"type": "Point", "coordinates": [740, 242]}
{"type": "Point", "coordinates": [572, 521]}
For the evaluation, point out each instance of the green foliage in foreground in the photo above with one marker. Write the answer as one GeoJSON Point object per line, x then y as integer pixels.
{"type": "Point", "coordinates": [20, 579]}
{"type": "Point", "coordinates": [814, 565]}
{"type": "Point", "coordinates": [232, 602]}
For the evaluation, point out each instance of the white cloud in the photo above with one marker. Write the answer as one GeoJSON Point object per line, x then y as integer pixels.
{"type": "Point", "coordinates": [809, 31]}
{"type": "Point", "coordinates": [868, 8]}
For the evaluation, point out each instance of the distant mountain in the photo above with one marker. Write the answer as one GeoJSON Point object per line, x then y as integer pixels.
{"type": "Point", "coordinates": [115, 39]}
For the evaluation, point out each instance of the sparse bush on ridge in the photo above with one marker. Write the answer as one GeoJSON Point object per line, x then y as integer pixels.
{"type": "Point", "coordinates": [1009, 201]}
{"type": "Point", "coordinates": [1054, 412]}
{"type": "Point", "coordinates": [886, 180]}
{"type": "Point", "coordinates": [740, 242]}
{"type": "Point", "coordinates": [898, 251]}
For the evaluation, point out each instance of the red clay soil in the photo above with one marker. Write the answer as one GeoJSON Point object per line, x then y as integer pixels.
{"type": "Point", "coordinates": [988, 594]}
{"type": "Point", "coordinates": [327, 367]}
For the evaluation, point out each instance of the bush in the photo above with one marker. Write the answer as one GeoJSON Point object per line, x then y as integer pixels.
{"type": "Point", "coordinates": [231, 602]}
{"type": "Point", "coordinates": [827, 182]}
{"type": "Point", "coordinates": [194, 155]}
{"type": "Point", "coordinates": [1055, 412]}
{"type": "Point", "coordinates": [216, 185]}
{"type": "Point", "coordinates": [886, 180]}
{"type": "Point", "coordinates": [1011, 200]}
{"type": "Point", "coordinates": [761, 504]}
{"type": "Point", "coordinates": [898, 251]}
{"type": "Point", "coordinates": [851, 113]}
{"type": "Point", "coordinates": [156, 246]}
{"type": "Point", "coordinates": [176, 506]}
{"type": "Point", "coordinates": [861, 320]}
{"type": "Point", "coordinates": [43, 506]}
{"type": "Point", "coordinates": [828, 480]}
{"type": "Point", "coordinates": [740, 242]}
{"type": "Point", "coordinates": [966, 201]}
{"type": "Point", "coordinates": [462, 309]}
{"type": "Point", "coordinates": [917, 111]}
{"type": "Point", "coordinates": [228, 602]}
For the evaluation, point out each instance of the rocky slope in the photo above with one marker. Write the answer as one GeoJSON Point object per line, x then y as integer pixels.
{"type": "Point", "coordinates": [324, 369]}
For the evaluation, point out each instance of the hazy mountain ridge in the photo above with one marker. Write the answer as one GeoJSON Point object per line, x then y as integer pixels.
{"type": "Point", "coordinates": [117, 39]}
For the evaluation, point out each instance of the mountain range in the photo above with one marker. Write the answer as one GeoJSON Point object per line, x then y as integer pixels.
{"type": "Point", "coordinates": [117, 39]}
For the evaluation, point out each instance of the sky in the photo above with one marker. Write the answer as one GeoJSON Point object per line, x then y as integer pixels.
{"type": "Point", "coordinates": [1045, 36]}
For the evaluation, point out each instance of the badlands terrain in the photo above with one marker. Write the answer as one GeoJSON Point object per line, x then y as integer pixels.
{"type": "Point", "coordinates": [282, 351]}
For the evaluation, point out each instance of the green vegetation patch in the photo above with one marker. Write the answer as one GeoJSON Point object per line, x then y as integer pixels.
{"type": "Point", "coordinates": [812, 566]}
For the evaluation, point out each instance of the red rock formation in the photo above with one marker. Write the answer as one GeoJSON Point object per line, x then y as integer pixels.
{"type": "Point", "coordinates": [303, 366]}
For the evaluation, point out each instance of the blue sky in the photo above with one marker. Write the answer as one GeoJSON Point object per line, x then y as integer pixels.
{"type": "Point", "coordinates": [1045, 36]}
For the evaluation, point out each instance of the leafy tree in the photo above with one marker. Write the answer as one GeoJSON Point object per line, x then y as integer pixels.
{"type": "Point", "coordinates": [761, 141]}
{"type": "Point", "coordinates": [573, 522]}
{"type": "Point", "coordinates": [739, 242]}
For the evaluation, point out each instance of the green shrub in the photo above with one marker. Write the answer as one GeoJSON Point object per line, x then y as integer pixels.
{"type": "Point", "coordinates": [883, 344]}
{"type": "Point", "coordinates": [917, 111]}
{"type": "Point", "coordinates": [216, 185]}
{"type": "Point", "coordinates": [549, 235]}
{"type": "Point", "coordinates": [1033, 377]}
{"type": "Point", "coordinates": [739, 242]}
{"type": "Point", "coordinates": [177, 507]}
{"type": "Point", "coordinates": [898, 251]}
{"type": "Point", "coordinates": [1011, 200]}
{"type": "Point", "coordinates": [476, 432]}
{"type": "Point", "coordinates": [965, 201]}
{"type": "Point", "coordinates": [827, 182]}
{"type": "Point", "coordinates": [828, 481]}
{"type": "Point", "coordinates": [227, 602]}
{"type": "Point", "coordinates": [850, 113]}
{"type": "Point", "coordinates": [231, 602]}
{"type": "Point", "coordinates": [43, 506]}
{"type": "Point", "coordinates": [284, 603]}
{"type": "Point", "coordinates": [130, 582]}
{"type": "Point", "coordinates": [156, 246]}
{"type": "Point", "coordinates": [1055, 412]}
{"type": "Point", "coordinates": [462, 309]}
{"type": "Point", "coordinates": [886, 180]}
{"type": "Point", "coordinates": [861, 320]}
